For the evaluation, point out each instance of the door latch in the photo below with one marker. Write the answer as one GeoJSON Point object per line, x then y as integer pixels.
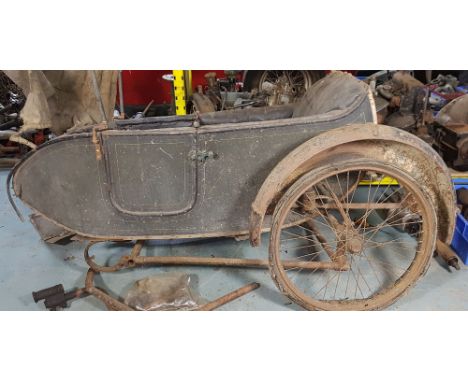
{"type": "Point", "coordinates": [202, 155]}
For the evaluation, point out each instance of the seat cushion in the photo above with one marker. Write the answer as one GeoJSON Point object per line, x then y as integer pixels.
{"type": "Point", "coordinates": [336, 92]}
{"type": "Point", "coordinates": [255, 114]}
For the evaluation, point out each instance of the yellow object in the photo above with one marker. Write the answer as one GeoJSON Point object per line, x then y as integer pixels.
{"type": "Point", "coordinates": [393, 182]}
{"type": "Point", "coordinates": [180, 95]}
{"type": "Point", "coordinates": [386, 180]}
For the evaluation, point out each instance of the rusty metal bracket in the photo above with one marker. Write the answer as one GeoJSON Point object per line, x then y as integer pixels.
{"type": "Point", "coordinates": [114, 304]}
{"type": "Point", "coordinates": [55, 297]}
{"type": "Point", "coordinates": [448, 254]}
{"type": "Point", "coordinates": [95, 139]}
{"type": "Point", "coordinates": [134, 259]}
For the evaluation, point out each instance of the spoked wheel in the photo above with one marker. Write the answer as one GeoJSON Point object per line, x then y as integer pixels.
{"type": "Point", "coordinates": [371, 258]}
{"type": "Point", "coordinates": [299, 80]}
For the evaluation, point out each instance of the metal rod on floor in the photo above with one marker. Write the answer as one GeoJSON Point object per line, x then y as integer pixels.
{"type": "Point", "coordinates": [231, 262]}
{"type": "Point", "coordinates": [229, 297]}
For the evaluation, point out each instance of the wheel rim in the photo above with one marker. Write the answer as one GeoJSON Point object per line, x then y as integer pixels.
{"type": "Point", "coordinates": [299, 80]}
{"type": "Point", "coordinates": [383, 262]}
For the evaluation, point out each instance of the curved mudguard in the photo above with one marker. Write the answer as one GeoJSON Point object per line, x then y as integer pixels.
{"type": "Point", "coordinates": [395, 146]}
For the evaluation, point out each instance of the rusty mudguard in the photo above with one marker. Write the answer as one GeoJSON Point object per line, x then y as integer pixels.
{"type": "Point", "coordinates": [394, 146]}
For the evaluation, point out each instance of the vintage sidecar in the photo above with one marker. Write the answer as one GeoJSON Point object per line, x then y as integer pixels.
{"type": "Point", "coordinates": [353, 208]}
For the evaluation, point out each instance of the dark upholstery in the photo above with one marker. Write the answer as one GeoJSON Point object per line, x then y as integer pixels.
{"type": "Point", "coordinates": [336, 92]}
{"type": "Point", "coordinates": [266, 113]}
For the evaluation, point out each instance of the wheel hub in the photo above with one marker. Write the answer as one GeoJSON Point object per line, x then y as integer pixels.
{"type": "Point", "coordinates": [355, 245]}
{"type": "Point", "coordinates": [354, 241]}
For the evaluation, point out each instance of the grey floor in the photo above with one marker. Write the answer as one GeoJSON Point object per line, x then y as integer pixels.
{"type": "Point", "coordinates": [28, 264]}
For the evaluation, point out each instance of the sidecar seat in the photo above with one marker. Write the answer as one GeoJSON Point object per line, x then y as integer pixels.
{"type": "Point", "coordinates": [334, 93]}
{"type": "Point", "coordinates": [331, 95]}
{"type": "Point", "coordinates": [255, 114]}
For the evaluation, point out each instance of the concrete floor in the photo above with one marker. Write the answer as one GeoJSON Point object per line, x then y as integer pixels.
{"type": "Point", "coordinates": [29, 264]}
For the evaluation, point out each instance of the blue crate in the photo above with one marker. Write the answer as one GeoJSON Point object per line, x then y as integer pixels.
{"type": "Point", "coordinates": [460, 237]}
{"type": "Point", "coordinates": [460, 183]}
{"type": "Point", "coordinates": [462, 89]}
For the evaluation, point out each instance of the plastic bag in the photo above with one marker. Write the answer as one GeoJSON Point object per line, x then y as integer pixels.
{"type": "Point", "coordinates": [169, 291]}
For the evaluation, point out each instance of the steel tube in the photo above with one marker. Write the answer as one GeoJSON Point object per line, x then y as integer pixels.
{"type": "Point", "coordinates": [229, 297]}
{"type": "Point", "coordinates": [231, 262]}
{"type": "Point", "coordinates": [109, 301]}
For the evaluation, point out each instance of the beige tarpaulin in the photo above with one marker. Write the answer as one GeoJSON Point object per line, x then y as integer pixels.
{"type": "Point", "coordinates": [61, 99]}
